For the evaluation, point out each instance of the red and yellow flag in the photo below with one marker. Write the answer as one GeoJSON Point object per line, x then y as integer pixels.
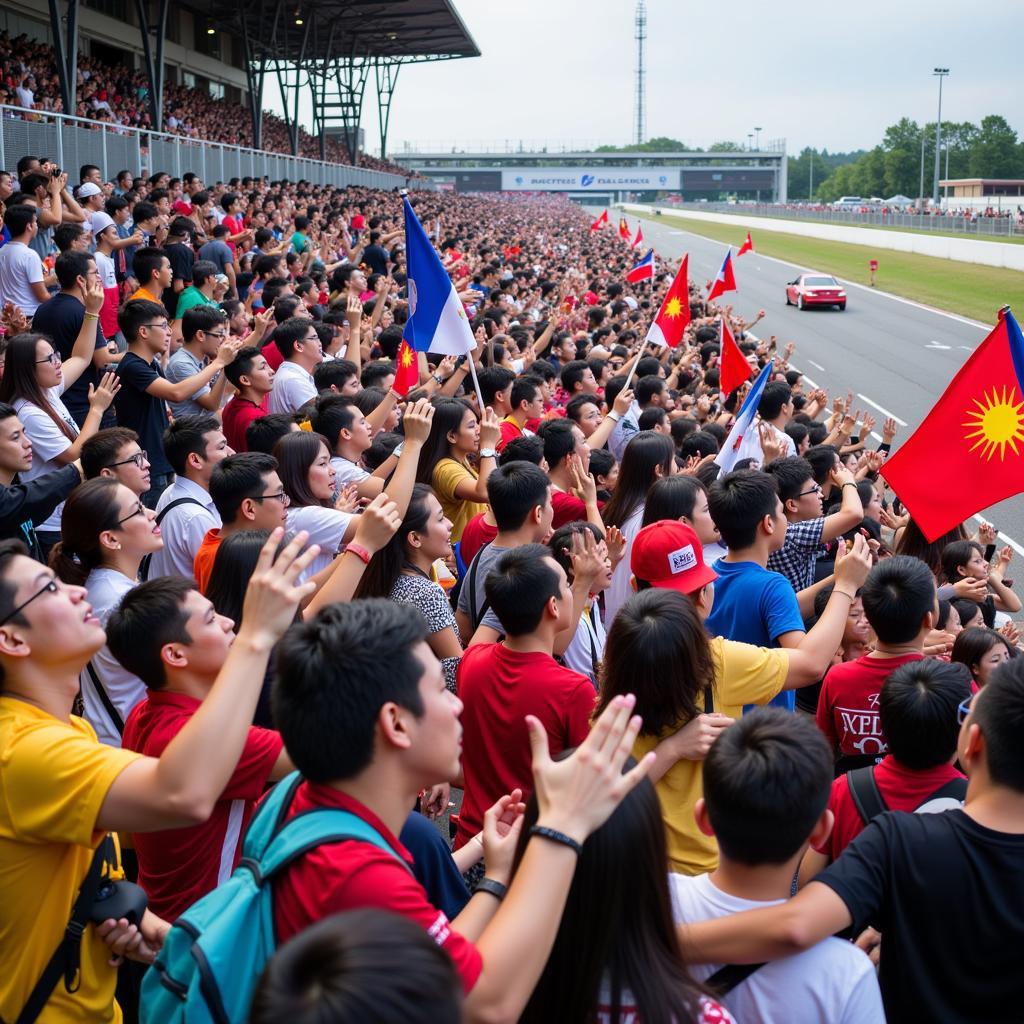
{"type": "Point", "coordinates": [407, 370]}
{"type": "Point", "coordinates": [968, 453]}
{"type": "Point", "coordinates": [674, 315]}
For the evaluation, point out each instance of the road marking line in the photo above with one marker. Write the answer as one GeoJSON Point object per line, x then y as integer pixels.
{"type": "Point", "coordinates": [884, 412]}
{"type": "Point", "coordinates": [817, 366]}
{"type": "Point", "coordinates": [937, 346]}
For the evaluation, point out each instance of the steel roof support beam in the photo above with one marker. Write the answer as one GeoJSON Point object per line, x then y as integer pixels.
{"type": "Point", "coordinates": [386, 72]}
{"type": "Point", "coordinates": [65, 46]}
{"type": "Point", "coordinates": [255, 76]}
{"type": "Point", "coordinates": [350, 75]}
{"type": "Point", "coordinates": [153, 56]}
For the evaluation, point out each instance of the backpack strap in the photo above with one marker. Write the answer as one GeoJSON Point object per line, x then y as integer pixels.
{"type": "Point", "coordinates": [161, 515]}
{"type": "Point", "coordinates": [726, 978]}
{"type": "Point", "coordinates": [955, 789]}
{"type": "Point", "coordinates": [108, 705]}
{"type": "Point", "coordinates": [864, 792]}
{"type": "Point", "coordinates": [475, 615]}
{"type": "Point", "coordinates": [66, 957]}
{"type": "Point", "coordinates": [709, 700]}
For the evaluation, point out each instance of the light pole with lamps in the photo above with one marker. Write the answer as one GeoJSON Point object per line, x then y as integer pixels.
{"type": "Point", "coordinates": [939, 73]}
{"type": "Point", "coordinates": [757, 139]}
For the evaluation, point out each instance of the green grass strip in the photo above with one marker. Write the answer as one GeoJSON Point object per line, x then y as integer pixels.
{"type": "Point", "coordinates": [968, 289]}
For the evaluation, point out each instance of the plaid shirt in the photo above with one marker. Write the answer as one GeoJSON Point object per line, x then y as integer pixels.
{"type": "Point", "coordinates": [795, 559]}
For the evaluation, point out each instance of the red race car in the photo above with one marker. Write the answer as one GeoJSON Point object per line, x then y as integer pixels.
{"type": "Point", "coordinates": [815, 290]}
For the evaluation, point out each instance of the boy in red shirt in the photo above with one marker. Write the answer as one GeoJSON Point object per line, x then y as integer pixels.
{"type": "Point", "coordinates": [362, 705]}
{"type": "Point", "coordinates": [902, 608]}
{"type": "Point", "coordinates": [918, 709]}
{"type": "Point", "coordinates": [169, 635]}
{"type": "Point", "coordinates": [253, 378]}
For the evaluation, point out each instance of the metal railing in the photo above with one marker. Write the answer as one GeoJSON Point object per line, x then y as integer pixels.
{"type": "Point", "coordinates": [1007, 225]}
{"type": "Point", "coordinates": [73, 141]}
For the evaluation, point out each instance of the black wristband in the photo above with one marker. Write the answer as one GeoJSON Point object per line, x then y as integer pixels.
{"type": "Point", "coordinates": [496, 889]}
{"type": "Point", "coordinates": [556, 837]}
{"type": "Point", "coordinates": [849, 483]}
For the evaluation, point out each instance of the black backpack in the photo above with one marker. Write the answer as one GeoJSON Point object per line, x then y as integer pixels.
{"type": "Point", "coordinates": [868, 799]}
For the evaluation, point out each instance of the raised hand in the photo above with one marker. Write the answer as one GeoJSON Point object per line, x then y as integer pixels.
{"type": "Point", "coordinates": [416, 421]}
{"type": "Point", "coordinates": [853, 563]}
{"type": "Point", "coordinates": [771, 444]}
{"type": "Point", "coordinates": [888, 430]}
{"type": "Point", "coordinates": [986, 534]}
{"type": "Point", "coordinates": [693, 741]}
{"type": "Point", "coordinates": [228, 349]}
{"type": "Point", "coordinates": [348, 499]}
{"type": "Point", "coordinates": [584, 486]}
{"type": "Point", "coordinates": [616, 544]}
{"type": "Point", "coordinates": [103, 394]}
{"type": "Point", "coordinates": [378, 524]}
{"type": "Point", "coordinates": [623, 401]}
{"type": "Point", "coordinates": [93, 295]}
{"type": "Point", "coordinates": [490, 428]}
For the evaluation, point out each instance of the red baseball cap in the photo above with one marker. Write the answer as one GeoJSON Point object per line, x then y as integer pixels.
{"type": "Point", "coordinates": [667, 554]}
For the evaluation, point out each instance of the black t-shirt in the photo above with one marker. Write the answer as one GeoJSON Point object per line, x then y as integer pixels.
{"type": "Point", "coordinates": [60, 319]}
{"type": "Point", "coordinates": [181, 258]}
{"type": "Point", "coordinates": [947, 895]}
{"type": "Point", "coordinates": [140, 411]}
{"type": "Point", "coordinates": [376, 258]}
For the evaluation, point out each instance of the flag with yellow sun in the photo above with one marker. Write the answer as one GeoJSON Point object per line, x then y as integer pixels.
{"type": "Point", "coordinates": [968, 454]}
{"type": "Point", "coordinates": [407, 370]}
{"type": "Point", "coordinates": [674, 315]}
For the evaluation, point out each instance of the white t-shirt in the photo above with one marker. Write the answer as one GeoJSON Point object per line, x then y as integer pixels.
{"type": "Point", "coordinates": [621, 588]}
{"type": "Point", "coordinates": [587, 644]}
{"type": "Point", "coordinates": [48, 441]}
{"type": "Point", "coordinates": [346, 472]}
{"type": "Point", "coordinates": [833, 982]}
{"type": "Point", "coordinates": [107, 270]}
{"type": "Point", "coordinates": [183, 528]}
{"type": "Point", "coordinates": [20, 267]}
{"type": "Point", "coordinates": [293, 387]}
{"type": "Point", "coordinates": [106, 588]}
{"type": "Point", "coordinates": [326, 527]}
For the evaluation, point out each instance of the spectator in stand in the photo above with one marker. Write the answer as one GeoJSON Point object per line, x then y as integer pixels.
{"type": "Point", "coordinates": [152, 269]}
{"type": "Point", "coordinates": [106, 532]}
{"type": "Point", "coordinates": [293, 386]}
{"type": "Point", "coordinates": [202, 291]}
{"type": "Point", "coordinates": [253, 380]}
{"type": "Point", "coordinates": [218, 252]}
{"type": "Point", "coordinates": [106, 268]}
{"type": "Point", "coordinates": [203, 330]}
{"type": "Point", "coordinates": [261, 435]}
{"type": "Point", "coordinates": [766, 782]}
{"type": "Point", "coordinates": [21, 269]}
{"type": "Point", "coordinates": [573, 490]}
{"type": "Point", "coordinates": [526, 404]}
{"type": "Point", "coordinates": [185, 512]}
{"type": "Point", "coordinates": [982, 651]}
{"type": "Point", "coordinates": [145, 389]}
{"type": "Point", "coordinates": [181, 256]}
{"type": "Point", "coordinates": [248, 495]}
{"type": "Point", "coordinates": [115, 453]}
{"type": "Point", "coordinates": [237, 234]}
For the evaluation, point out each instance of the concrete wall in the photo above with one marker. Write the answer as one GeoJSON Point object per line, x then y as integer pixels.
{"type": "Point", "coordinates": [964, 250]}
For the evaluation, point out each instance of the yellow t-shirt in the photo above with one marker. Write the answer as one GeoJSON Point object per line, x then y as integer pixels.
{"type": "Point", "coordinates": [54, 776]}
{"type": "Point", "coordinates": [744, 674]}
{"type": "Point", "coordinates": [448, 474]}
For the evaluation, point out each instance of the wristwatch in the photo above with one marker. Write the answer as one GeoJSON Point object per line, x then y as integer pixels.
{"type": "Point", "coordinates": [487, 453]}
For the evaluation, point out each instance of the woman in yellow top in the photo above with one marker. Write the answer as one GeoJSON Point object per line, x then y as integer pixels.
{"type": "Point", "coordinates": [444, 464]}
{"type": "Point", "coordinates": [688, 685]}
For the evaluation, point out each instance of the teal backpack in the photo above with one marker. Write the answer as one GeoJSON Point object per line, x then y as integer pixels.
{"type": "Point", "coordinates": [215, 952]}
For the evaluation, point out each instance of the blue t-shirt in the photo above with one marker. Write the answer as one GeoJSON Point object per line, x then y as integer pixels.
{"type": "Point", "coordinates": [754, 606]}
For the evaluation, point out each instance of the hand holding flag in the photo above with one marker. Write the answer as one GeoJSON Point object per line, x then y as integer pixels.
{"type": "Point", "coordinates": [744, 441]}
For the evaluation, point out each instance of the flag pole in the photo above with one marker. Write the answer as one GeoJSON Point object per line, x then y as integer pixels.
{"type": "Point", "coordinates": [636, 363]}
{"type": "Point", "coordinates": [476, 383]}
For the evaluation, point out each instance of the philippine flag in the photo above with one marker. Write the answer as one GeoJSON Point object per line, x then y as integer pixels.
{"type": "Point", "coordinates": [437, 322]}
{"type": "Point", "coordinates": [644, 270]}
{"type": "Point", "coordinates": [724, 280]}
{"type": "Point", "coordinates": [743, 441]}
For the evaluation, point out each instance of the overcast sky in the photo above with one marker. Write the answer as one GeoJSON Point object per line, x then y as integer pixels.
{"type": "Point", "coordinates": [812, 72]}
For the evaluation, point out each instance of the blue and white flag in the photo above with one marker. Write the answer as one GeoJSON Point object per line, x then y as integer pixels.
{"type": "Point", "coordinates": [744, 441]}
{"type": "Point", "coordinates": [437, 321]}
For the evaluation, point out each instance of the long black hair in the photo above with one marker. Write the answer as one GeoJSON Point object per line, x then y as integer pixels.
{"type": "Point", "coordinates": [448, 416]}
{"type": "Point", "coordinates": [645, 452]}
{"type": "Point", "coordinates": [20, 378]}
{"type": "Point", "coordinates": [90, 509]}
{"type": "Point", "coordinates": [625, 937]}
{"type": "Point", "coordinates": [672, 497]}
{"type": "Point", "coordinates": [386, 565]}
{"type": "Point", "coordinates": [233, 566]}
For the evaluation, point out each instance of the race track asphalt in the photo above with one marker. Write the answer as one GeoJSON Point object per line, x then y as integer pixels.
{"type": "Point", "coordinates": [896, 356]}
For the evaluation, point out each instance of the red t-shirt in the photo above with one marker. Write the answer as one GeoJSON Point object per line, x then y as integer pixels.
{"type": "Point", "coordinates": [202, 565]}
{"type": "Point", "coordinates": [848, 704]}
{"type": "Point", "coordinates": [476, 534]}
{"type": "Point", "coordinates": [353, 874]}
{"type": "Point", "coordinates": [273, 356]}
{"type": "Point", "coordinates": [498, 689]}
{"type": "Point", "coordinates": [235, 227]}
{"type": "Point", "coordinates": [179, 865]}
{"type": "Point", "coordinates": [902, 789]}
{"type": "Point", "coordinates": [509, 430]}
{"type": "Point", "coordinates": [237, 415]}
{"type": "Point", "coordinates": [568, 508]}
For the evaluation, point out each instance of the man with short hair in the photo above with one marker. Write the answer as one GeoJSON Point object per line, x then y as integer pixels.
{"type": "Point", "coordinates": [181, 256]}
{"type": "Point", "coordinates": [299, 343]}
{"type": "Point", "coordinates": [217, 252]}
{"type": "Point", "coordinates": [573, 490]}
{"type": "Point", "coordinates": [950, 959]}
{"type": "Point", "coordinates": [115, 452]}
{"type": "Point", "coordinates": [21, 269]}
{"type": "Point", "coordinates": [185, 512]}
{"type": "Point", "coordinates": [201, 291]}
{"type": "Point", "coordinates": [248, 495]}
{"type": "Point", "coordinates": [203, 330]}
{"type": "Point", "coordinates": [496, 386]}
{"type": "Point", "coordinates": [65, 316]}
{"type": "Point", "coordinates": [152, 269]}
{"type": "Point", "coordinates": [253, 379]}
{"type": "Point", "coordinates": [776, 410]}
{"type": "Point", "coordinates": [766, 781]}
{"type": "Point", "coordinates": [526, 403]}
{"type": "Point", "coordinates": [578, 379]}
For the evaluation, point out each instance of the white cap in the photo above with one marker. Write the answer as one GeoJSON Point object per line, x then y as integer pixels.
{"type": "Point", "coordinates": [100, 221]}
{"type": "Point", "coordinates": [90, 188]}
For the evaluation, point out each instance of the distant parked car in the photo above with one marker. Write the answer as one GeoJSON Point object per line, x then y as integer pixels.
{"type": "Point", "coordinates": [815, 290]}
{"type": "Point", "coordinates": [849, 202]}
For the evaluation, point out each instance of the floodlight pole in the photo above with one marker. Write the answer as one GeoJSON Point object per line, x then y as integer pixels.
{"type": "Point", "coordinates": [939, 73]}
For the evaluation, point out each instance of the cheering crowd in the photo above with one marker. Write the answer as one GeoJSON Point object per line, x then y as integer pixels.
{"type": "Point", "coordinates": [682, 714]}
{"type": "Point", "coordinates": [119, 96]}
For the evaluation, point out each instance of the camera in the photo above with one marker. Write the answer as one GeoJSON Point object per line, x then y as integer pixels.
{"type": "Point", "coordinates": [118, 900]}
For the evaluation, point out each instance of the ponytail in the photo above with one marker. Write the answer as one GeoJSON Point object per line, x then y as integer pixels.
{"type": "Point", "coordinates": [89, 510]}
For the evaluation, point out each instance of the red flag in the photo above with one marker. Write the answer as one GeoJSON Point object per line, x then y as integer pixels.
{"type": "Point", "coordinates": [407, 370]}
{"type": "Point", "coordinates": [747, 246]}
{"type": "Point", "coordinates": [623, 229]}
{"type": "Point", "coordinates": [674, 315]}
{"type": "Point", "coordinates": [724, 281]}
{"type": "Point", "coordinates": [600, 222]}
{"type": "Point", "coordinates": [639, 237]}
{"type": "Point", "coordinates": [734, 367]}
{"type": "Point", "coordinates": [968, 454]}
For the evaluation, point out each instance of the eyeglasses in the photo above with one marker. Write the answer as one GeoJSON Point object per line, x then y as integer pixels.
{"type": "Point", "coordinates": [162, 324]}
{"type": "Point", "coordinates": [51, 588]}
{"type": "Point", "coordinates": [816, 489]}
{"type": "Point", "coordinates": [53, 358]}
{"type": "Point", "coordinates": [216, 334]}
{"type": "Point", "coordinates": [140, 510]}
{"type": "Point", "coordinates": [963, 709]}
{"type": "Point", "coordinates": [138, 458]}
{"type": "Point", "coordinates": [279, 496]}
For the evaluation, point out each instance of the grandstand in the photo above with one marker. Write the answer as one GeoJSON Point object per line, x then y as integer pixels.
{"type": "Point", "coordinates": [182, 86]}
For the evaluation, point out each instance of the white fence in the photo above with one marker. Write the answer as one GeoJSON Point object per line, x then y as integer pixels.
{"type": "Point", "coordinates": [73, 141]}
